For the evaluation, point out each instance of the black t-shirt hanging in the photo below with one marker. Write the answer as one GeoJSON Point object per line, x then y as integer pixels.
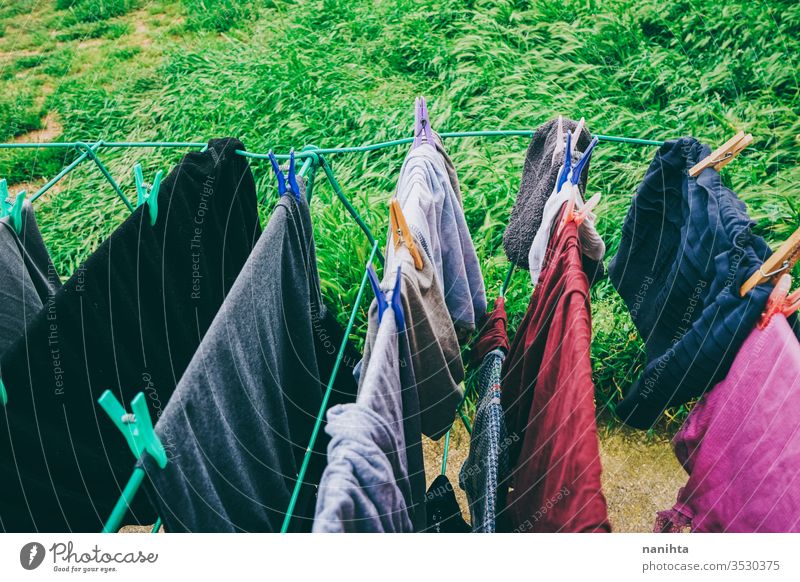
{"type": "Point", "coordinates": [129, 320]}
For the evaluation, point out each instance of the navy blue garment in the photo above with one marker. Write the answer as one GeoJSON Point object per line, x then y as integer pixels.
{"type": "Point", "coordinates": [441, 505]}
{"type": "Point", "coordinates": [686, 249]}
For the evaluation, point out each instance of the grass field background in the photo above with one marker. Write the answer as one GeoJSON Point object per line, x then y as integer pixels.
{"type": "Point", "coordinates": [342, 72]}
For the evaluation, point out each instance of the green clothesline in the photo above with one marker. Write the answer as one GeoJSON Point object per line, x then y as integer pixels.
{"type": "Point", "coordinates": [308, 152]}
{"type": "Point", "coordinates": [340, 150]}
{"type": "Point", "coordinates": [314, 158]}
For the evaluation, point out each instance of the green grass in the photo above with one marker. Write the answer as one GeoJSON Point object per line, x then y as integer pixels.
{"type": "Point", "coordinates": [21, 165]}
{"type": "Point", "coordinates": [336, 72]}
{"type": "Point", "coordinates": [97, 29]}
{"type": "Point", "coordinates": [18, 114]}
{"type": "Point", "coordinates": [221, 15]}
{"type": "Point", "coordinates": [95, 10]}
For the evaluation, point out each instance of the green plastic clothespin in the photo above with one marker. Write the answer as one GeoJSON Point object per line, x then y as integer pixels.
{"type": "Point", "coordinates": [3, 393]}
{"type": "Point", "coordinates": [145, 194]}
{"type": "Point", "coordinates": [14, 210]}
{"type": "Point", "coordinates": [137, 428]}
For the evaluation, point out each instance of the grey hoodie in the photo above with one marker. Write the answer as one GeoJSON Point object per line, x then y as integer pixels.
{"type": "Point", "coordinates": [432, 206]}
{"type": "Point", "coordinates": [435, 356]}
{"type": "Point", "coordinates": [366, 485]}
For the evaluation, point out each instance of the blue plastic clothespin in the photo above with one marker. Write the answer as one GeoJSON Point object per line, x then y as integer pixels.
{"type": "Point", "coordinates": [380, 296]}
{"type": "Point", "coordinates": [292, 178]}
{"type": "Point", "coordinates": [11, 209]}
{"type": "Point", "coordinates": [282, 180]}
{"type": "Point", "coordinates": [397, 305]}
{"type": "Point", "coordinates": [137, 428]}
{"type": "Point", "coordinates": [578, 169]}
{"type": "Point", "coordinates": [147, 195]}
{"type": "Point", "coordinates": [376, 288]}
{"type": "Point", "coordinates": [278, 174]}
{"type": "Point", "coordinates": [422, 123]}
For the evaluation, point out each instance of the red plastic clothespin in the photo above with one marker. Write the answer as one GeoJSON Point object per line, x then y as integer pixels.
{"type": "Point", "coordinates": [574, 214]}
{"type": "Point", "coordinates": [780, 301]}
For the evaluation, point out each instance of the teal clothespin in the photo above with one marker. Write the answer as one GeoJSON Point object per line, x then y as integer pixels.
{"type": "Point", "coordinates": [145, 194]}
{"type": "Point", "coordinates": [14, 210]}
{"type": "Point", "coordinates": [137, 428]}
{"type": "Point", "coordinates": [3, 393]}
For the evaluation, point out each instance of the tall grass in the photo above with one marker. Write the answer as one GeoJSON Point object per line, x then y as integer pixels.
{"type": "Point", "coordinates": [96, 10]}
{"type": "Point", "coordinates": [221, 15]}
{"type": "Point", "coordinates": [336, 72]}
{"type": "Point", "coordinates": [18, 114]}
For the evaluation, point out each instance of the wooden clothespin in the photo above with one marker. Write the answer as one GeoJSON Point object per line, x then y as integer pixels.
{"type": "Point", "coordinates": [779, 262]}
{"type": "Point", "coordinates": [723, 155]}
{"type": "Point", "coordinates": [401, 234]}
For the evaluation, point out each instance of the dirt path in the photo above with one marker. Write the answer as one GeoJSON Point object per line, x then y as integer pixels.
{"type": "Point", "coordinates": [51, 129]}
{"type": "Point", "coordinates": [640, 474]}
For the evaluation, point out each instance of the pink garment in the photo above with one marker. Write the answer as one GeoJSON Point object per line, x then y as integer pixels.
{"type": "Point", "coordinates": [741, 443]}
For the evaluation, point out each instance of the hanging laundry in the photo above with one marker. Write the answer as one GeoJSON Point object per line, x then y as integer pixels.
{"type": "Point", "coordinates": [487, 463]}
{"type": "Point", "coordinates": [434, 352]}
{"type": "Point", "coordinates": [740, 443]}
{"type": "Point", "coordinates": [128, 320]}
{"type": "Point", "coordinates": [43, 273]}
{"type": "Point", "coordinates": [686, 249]}
{"type": "Point", "coordinates": [427, 400]}
{"type": "Point", "coordinates": [372, 481]}
{"type": "Point", "coordinates": [435, 214]}
{"type": "Point", "coordinates": [449, 166]}
{"type": "Point", "coordinates": [441, 505]}
{"type": "Point", "coordinates": [29, 278]}
{"type": "Point", "coordinates": [543, 161]}
{"type": "Point", "coordinates": [238, 425]}
{"type": "Point", "coordinates": [548, 399]}
{"type": "Point", "coordinates": [592, 246]}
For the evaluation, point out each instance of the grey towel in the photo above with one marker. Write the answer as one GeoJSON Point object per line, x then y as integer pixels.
{"type": "Point", "coordinates": [29, 277]}
{"type": "Point", "coordinates": [237, 427]}
{"type": "Point", "coordinates": [366, 485]}
{"type": "Point", "coordinates": [412, 416]}
{"type": "Point", "coordinates": [538, 182]}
